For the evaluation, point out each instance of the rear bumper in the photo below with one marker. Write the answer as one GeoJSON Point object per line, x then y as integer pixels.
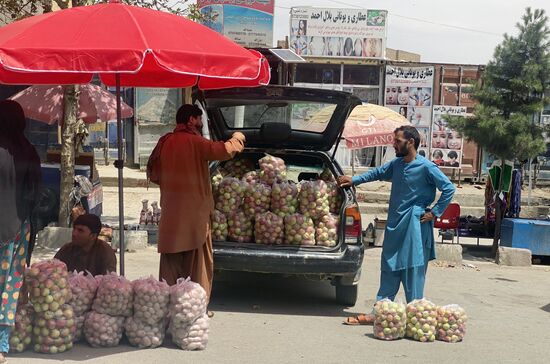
{"type": "Point", "coordinates": [346, 262]}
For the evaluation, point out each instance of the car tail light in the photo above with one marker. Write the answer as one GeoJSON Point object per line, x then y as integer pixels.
{"type": "Point", "coordinates": [352, 232]}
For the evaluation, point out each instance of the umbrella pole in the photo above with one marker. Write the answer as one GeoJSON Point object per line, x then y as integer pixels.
{"type": "Point", "coordinates": [120, 164]}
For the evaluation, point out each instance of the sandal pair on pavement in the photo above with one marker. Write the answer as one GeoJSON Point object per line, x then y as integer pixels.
{"type": "Point", "coordinates": [360, 319]}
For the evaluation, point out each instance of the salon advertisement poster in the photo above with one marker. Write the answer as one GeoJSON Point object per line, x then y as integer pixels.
{"type": "Point", "coordinates": [409, 91]}
{"type": "Point", "coordinates": [331, 32]}
{"type": "Point", "coordinates": [446, 143]}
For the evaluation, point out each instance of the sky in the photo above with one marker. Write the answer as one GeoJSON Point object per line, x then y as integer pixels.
{"type": "Point", "coordinates": [464, 31]}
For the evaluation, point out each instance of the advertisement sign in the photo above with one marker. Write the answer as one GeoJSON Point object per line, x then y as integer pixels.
{"type": "Point", "coordinates": [247, 23]}
{"type": "Point", "coordinates": [409, 91]}
{"type": "Point", "coordinates": [326, 32]}
{"type": "Point", "coordinates": [157, 105]}
{"type": "Point", "coordinates": [446, 143]}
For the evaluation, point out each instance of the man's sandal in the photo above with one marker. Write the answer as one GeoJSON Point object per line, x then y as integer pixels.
{"type": "Point", "coordinates": [360, 319]}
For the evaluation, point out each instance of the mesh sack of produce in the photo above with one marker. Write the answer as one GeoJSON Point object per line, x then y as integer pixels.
{"type": "Point", "coordinates": [334, 197]}
{"type": "Point", "coordinates": [48, 285]}
{"type": "Point", "coordinates": [83, 289]}
{"type": "Point", "coordinates": [193, 336]}
{"type": "Point", "coordinates": [251, 177]}
{"type": "Point", "coordinates": [269, 229]}
{"type": "Point", "coordinates": [451, 323]}
{"type": "Point", "coordinates": [101, 330]}
{"type": "Point", "coordinates": [188, 302]}
{"type": "Point", "coordinates": [151, 299]}
{"type": "Point", "coordinates": [390, 320]}
{"type": "Point", "coordinates": [216, 179]}
{"type": "Point", "coordinates": [257, 199]}
{"type": "Point", "coordinates": [326, 231]}
{"type": "Point", "coordinates": [327, 175]}
{"type": "Point", "coordinates": [114, 295]}
{"type": "Point", "coordinates": [299, 230]}
{"type": "Point", "coordinates": [79, 332]}
{"type": "Point", "coordinates": [240, 227]}
{"type": "Point", "coordinates": [21, 333]}
{"type": "Point", "coordinates": [272, 169]}
{"type": "Point", "coordinates": [284, 198]}
{"type": "Point", "coordinates": [313, 199]}
{"type": "Point", "coordinates": [53, 331]}
{"type": "Point", "coordinates": [237, 167]}
{"type": "Point", "coordinates": [144, 335]}
{"type": "Point", "coordinates": [230, 195]}
{"type": "Point", "coordinates": [219, 226]}
{"type": "Point", "coordinates": [421, 320]}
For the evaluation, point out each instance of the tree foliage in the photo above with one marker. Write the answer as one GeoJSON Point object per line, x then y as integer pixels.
{"type": "Point", "coordinates": [514, 89]}
{"type": "Point", "coordinates": [19, 9]}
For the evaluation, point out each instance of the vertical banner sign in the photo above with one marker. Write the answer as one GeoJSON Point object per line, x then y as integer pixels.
{"type": "Point", "coordinates": [325, 32]}
{"type": "Point", "coordinates": [409, 91]}
{"type": "Point", "coordinates": [446, 143]}
{"type": "Point", "coordinates": [247, 23]}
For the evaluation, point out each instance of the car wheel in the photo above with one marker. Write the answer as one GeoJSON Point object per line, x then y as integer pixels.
{"type": "Point", "coordinates": [346, 295]}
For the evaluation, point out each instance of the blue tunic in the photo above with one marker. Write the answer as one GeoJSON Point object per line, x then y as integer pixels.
{"type": "Point", "coordinates": [407, 242]}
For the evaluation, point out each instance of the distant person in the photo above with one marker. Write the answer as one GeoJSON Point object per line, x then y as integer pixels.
{"type": "Point", "coordinates": [19, 184]}
{"type": "Point", "coordinates": [85, 252]}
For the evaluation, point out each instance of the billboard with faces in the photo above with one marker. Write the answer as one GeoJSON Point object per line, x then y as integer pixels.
{"type": "Point", "coordinates": [446, 143]}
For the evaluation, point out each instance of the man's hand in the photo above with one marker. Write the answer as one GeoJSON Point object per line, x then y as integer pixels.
{"type": "Point", "coordinates": [344, 181]}
{"type": "Point", "coordinates": [239, 136]}
{"type": "Point", "coordinates": [428, 216]}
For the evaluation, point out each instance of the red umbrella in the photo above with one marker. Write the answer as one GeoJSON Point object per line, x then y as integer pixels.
{"type": "Point", "coordinates": [45, 103]}
{"type": "Point", "coordinates": [126, 46]}
{"type": "Point", "coordinates": [371, 126]}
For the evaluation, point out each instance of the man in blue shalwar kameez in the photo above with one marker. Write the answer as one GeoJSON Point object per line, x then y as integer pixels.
{"type": "Point", "coordinates": [408, 241]}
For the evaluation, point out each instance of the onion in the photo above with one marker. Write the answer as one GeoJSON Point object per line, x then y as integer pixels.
{"type": "Point", "coordinates": [313, 199]}
{"type": "Point", "coordinates": [193, 336]}
{"type": "Point", "coordinates": [451, 323]}
{"type": "Point", "coordinates": [240, 228]}
{"type": "Point", "coordinates": [284, 198]}
{"type": "Point", "coordinates": [272, 169]}
{"type": "Point", "coordinates": [421, 320]}
{"type": "Point", "coordinates": [21, 333]}
{"type": "Point", "coordinates": [219, 226]}
{"type": "Point", "coordinates": [48, 286]}
{"type": "Point", "coordinates": [151, 298]}
{"type": "Point", "coordinates": [54, 330]}
{"type": "Point", "coordinates": [114, 295]}
{"type": "Point", "coordinates": [101, 330]}
{"type": "Point", "coordinates": [257, 198]}
{"type": "Point", "coordinates": [390, 320]}
{"type": "Point", "coordinates": [269, 229]}
{"type": "Point", "coordinates": [299, 230]}
{"type": "Point", "coordinates": [326, 231]}
{"type": "Point", "coordinates": [83, 289]}
{"type": "Point", "coordinates": [230, 195]}
{"type": "Point", "coordinates": [144, 335]}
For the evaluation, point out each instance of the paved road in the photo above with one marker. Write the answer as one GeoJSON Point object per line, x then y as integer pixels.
{"type": "Point", "coordinates": [266, 319]}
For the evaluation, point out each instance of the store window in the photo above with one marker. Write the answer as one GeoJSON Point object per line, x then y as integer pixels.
{"type": "Point", "coordinates": [361, 75]}
{"type": "Point", "coordinates": [366, 94]}
{"type": "Point", "coordinates": [318, 73]}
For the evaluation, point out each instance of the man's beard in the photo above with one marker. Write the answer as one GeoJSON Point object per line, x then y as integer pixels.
{"type": "Point", "coordinates": [402, 152]}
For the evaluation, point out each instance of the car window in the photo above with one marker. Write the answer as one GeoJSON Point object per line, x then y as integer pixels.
{"type": "Point", "coordinates": [304, 116]}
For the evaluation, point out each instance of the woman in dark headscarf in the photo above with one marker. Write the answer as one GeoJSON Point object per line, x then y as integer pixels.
{"type": "Point", "coordinates": [19, 182]}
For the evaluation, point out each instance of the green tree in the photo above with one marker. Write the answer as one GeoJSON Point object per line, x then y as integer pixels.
{"type": "Point", "coordinates": [511, 95]}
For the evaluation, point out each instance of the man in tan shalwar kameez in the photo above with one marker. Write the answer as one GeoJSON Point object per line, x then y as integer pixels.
{"type": "Point", "coordinates": [185, 241]}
